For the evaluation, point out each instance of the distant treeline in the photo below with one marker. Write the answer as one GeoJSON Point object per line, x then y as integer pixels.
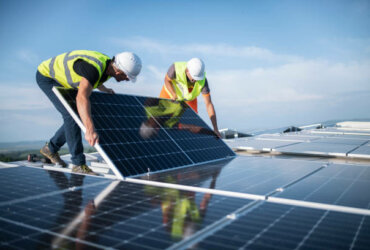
{"type": "Point", "coordinates": [21, 155]}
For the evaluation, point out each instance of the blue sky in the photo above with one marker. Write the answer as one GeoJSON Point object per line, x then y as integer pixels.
{"type": "Point", "coordinates": [269, 63]}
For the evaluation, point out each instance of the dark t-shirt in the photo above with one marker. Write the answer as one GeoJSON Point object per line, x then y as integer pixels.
{"type": "Point", "coordinates": [88, 71]}
{"type": "Point", "coordinates": [171, 73]}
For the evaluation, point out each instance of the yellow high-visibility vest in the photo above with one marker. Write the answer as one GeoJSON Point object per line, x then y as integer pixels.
{"type": "Point", "coordinates": [60, 68]}
{"type": "Point", "coordinates": [180, 84]}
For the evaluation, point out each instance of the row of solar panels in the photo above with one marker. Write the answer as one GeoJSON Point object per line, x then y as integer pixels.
{"type": "Point", "coordinates": [251, 202]}
{"type": "Point", "coordinates": [316, 142]}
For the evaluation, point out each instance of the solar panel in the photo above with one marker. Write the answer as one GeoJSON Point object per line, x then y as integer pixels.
{"type": "Point", "coordinates": [333, 131]}
{"type": "Point", "coordinates": [243, 174]}
{"type": "Point", "coordinates": [347, 141]}
{"type": "Point", "coordinates": [275, 226]}
{"type": "Point", "coordinates": [361, 152]}
{"type": "Point", "coordinates": [138, 135]}
{"type": "Point", "coordinates": [340, 184]}
{"type": "Point", "coordinates": [321, 149]}
{"type": "Point", "coordinates": [27, 177]}
{"type": "Point", "coordinates": [259, 144]}
{"type": "Point", "coordinates": [108, 214]}
{"type": "Point", "coordinates": [77, 210]}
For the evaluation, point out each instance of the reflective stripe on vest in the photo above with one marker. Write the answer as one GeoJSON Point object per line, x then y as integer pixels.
{"type": "Point", "coordinates": [60, 68]}
{"type": "Point", "coordinates": [181, 86]}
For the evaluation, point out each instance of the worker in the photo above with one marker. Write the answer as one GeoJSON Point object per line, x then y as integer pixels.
{"type": "Point", "coordinates": [83, 70]}
{"type": "Point", "coordinates": [185, 81]}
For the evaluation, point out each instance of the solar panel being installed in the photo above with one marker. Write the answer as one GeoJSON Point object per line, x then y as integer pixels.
{"type": "Point", "coordinates": [138, 135]}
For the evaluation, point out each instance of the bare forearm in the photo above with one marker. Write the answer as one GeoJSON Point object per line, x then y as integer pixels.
{"type": "Point", "coordinates": [212, 115]}
{"type": "Point", "coordinates": [170, 87]}
{"type": "Point", "coordinates": [84, 110]}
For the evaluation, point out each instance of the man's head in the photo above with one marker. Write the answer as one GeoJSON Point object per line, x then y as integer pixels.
{"type": "Point", "coordinates": [127, 66]}
{"type": "Point", "coordinates": [195, 69]}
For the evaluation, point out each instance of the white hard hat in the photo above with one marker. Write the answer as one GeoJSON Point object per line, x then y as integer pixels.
{"type": "Point", "coordinates": [129, 63]}
{"type": "Point", "coordinates": [196, 68]}
{"type": "Point", "coordinates": [147, 131]}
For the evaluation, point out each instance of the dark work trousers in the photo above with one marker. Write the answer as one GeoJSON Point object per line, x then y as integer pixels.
{"type": "Point", "coordinates": [69, 131]}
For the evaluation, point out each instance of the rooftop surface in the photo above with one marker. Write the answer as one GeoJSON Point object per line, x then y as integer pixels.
{"type": "Point", "coordinates": [267, 198]}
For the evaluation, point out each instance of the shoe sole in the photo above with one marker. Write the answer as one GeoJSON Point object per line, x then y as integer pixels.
{"type": "Point", "coordinates": [82, 172]}
{"type": "Point", "coordinates": [93, 174]}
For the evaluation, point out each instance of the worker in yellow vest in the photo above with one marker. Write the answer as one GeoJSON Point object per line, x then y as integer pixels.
{"type": "Point", "coordinates": [83, 70]}
{"type": "Point", "coordinates": [185, 81]}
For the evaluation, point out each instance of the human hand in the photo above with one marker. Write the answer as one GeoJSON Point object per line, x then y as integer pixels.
{"type": "Point", "coordinates": [91, 137]}
{"type": "Point", "coordinates": [217, 133]}
{"type": "Point", "coordinates": [90, 208]}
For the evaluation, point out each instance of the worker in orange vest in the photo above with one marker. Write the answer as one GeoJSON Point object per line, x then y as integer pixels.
{"type": "Point", "coordinates": [185, 81]}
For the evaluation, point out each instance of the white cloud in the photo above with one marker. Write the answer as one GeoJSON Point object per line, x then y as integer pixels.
{"type": "Point", "coordinates": [225, 50]}
{"type": "Point", "coordinates": [22, 97]}
{"type": "Point", "coordinates": [304, 81]}
{"type": "Point", "coordinates": [42, 120]}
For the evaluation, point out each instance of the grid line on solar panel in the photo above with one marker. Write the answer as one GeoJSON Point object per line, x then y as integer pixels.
{"type": "Point", "coordinates": [357, 236]}
{"type": "Point", "coordinates": [281, 227]}
{"type": "Point", "coordinates": [157, 122]}
{"type": "Point", "coordinates": [47, 232]}
{"type": "Point", "coordinates": [335, 184]}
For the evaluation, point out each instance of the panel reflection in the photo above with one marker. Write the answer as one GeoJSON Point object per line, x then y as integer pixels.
{"type": "Point", "coordinates": [169, 115]}
{"type": "Point", "coordinates": [131, 215]}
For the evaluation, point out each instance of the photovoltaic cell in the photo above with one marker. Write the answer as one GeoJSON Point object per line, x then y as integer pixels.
{"type": "Point", "coordinates": [273, 226]}
{"type": "Point", "coordinates": [337, 184]}
{"type": "Point", "coordinates": [33, 182]}
{"type": "Point", "coordinates": [142, 134]}
{"type": "Point", "coordinates": [313, 148]}
{"type": "Point", "coordinates": [260, 144]}
{"type": "Point", "coordinates": [190, 132]}
{"type": "Point", "coordinates": [346, 141]}
{"type": "Point", "coordinates": [256, 175]}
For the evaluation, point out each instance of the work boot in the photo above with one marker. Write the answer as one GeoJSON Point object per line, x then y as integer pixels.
{"type": "Point", "coordinates": [53, 157]}
{"type": "Point", "coordinates": [83, 169]}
